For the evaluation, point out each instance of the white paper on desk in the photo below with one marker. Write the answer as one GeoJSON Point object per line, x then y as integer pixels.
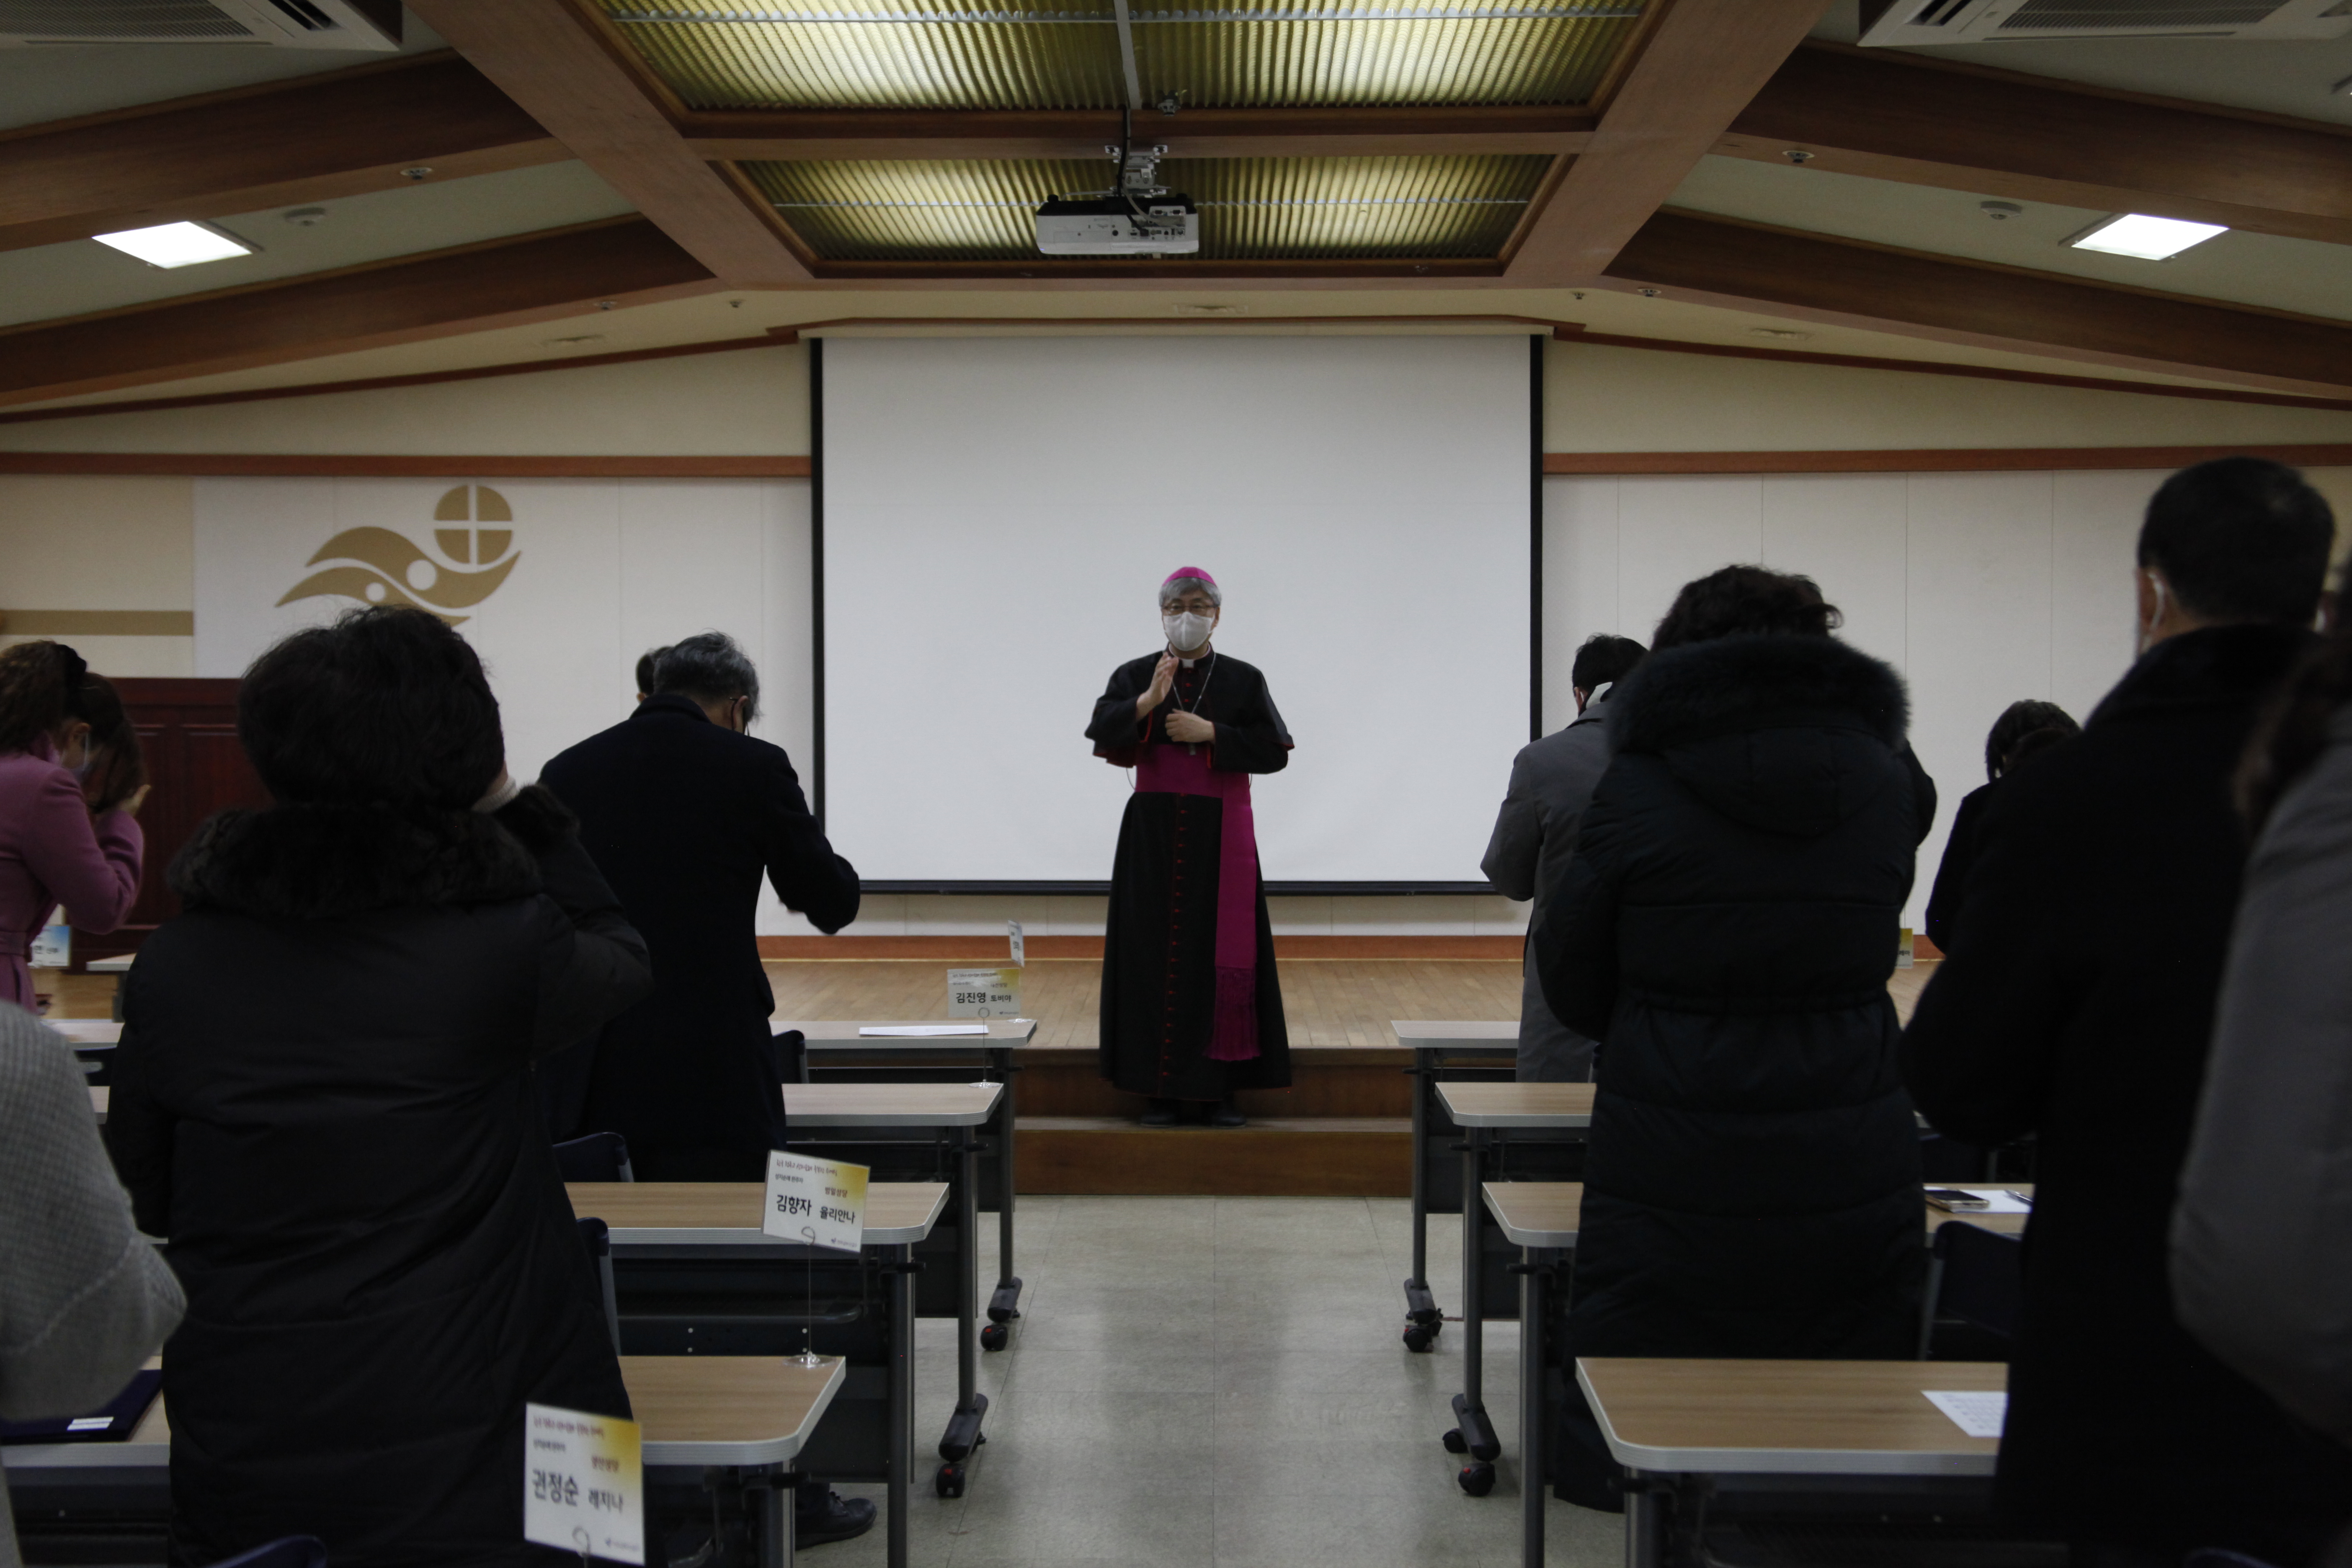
{"type": "Point", "coordinates": [1977, 1412]}
{"type": "Point", "coordinates": [919, 1031]}
{"type": "Point", "coordinates": [2001, 1203]}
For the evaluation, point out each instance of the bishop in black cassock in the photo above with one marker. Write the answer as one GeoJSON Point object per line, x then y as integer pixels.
{"type": "Point", "coordinates": [1191, 1007]}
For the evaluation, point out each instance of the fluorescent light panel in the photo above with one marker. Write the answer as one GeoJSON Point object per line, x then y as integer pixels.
{"type": "Point", "coordinates": [2149, 238]}
{"type": "Point", "coordinates": [175, 244]}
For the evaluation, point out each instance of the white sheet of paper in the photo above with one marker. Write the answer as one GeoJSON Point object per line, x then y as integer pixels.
{"type": "Point", "coordinates": [2004, 1204]}
{"type": "Point", "coordinates": [919, 1031]}
{"type": "Point", "coordinates": [1977, 1412]}
{"type": "Point", "coordinates": [583, 1483]}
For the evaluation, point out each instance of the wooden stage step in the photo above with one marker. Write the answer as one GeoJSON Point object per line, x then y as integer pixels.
{"type": "Point", "coordinates": [1324, 1156]}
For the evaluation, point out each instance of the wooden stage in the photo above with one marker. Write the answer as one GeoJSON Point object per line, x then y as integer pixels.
{"type": "Point", "coordinates": [1342, 1130]}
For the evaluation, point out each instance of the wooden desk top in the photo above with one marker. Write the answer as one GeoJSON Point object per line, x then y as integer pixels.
{"type": "Point", "coordinates": [696, 1411]}
{"type": "Point", "coordinates": [1999, 1224]}
{"type": "Point", "coordinates": [118, 964]}
{"type": "Point", "coordinates": [1431, 1033]}
{"type": "Point", "coordinates": [1537, 1213]}
{"type": "Point", "coordinates": [88, 1034]}
{"type": "Point", "coordinates": [1517, 1104]}
{"type": "Point", "coordinates": [889, 1104]}
{"type": "Point", "coordinates": [1788, 1418]}
{"type": "Point", "coordinates": [726, 1214]}
{"type": "Point", "coordinates": [840, 1034]}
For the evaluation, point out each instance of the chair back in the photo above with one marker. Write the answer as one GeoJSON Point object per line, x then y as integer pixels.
{"type": "Point", "coordinates": [293, 1551]}
{"type": "Point", "coordinates": [597, 1157]}
{"type": "Point", "coordinates": [1976, 1275]}
{"type": "Point", "coordinates": [597, 1237]}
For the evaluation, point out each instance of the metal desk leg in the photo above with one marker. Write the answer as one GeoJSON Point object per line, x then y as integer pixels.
{"type": "Point", "coordinates": [1645, 1520]}
{"type": "Point", "coordinates": [1531, 1407]}
{"type": "Point", "coordinates": [902, 1401]}
{"type": "Point", "coordinates": [964, 1427]}
{"type": "Point", "coordinates": [1004, 1305]}
{"type": "Point", "coordinates": [1423, 1319]}
{"type": "Point", "coordinates": [1473, 1434]}
{"type": "Point", "coordinates": [771, 1538]}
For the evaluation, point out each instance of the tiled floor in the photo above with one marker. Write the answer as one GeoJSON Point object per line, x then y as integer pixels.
{"type": "Point", "coordinates": [1220, 1381]}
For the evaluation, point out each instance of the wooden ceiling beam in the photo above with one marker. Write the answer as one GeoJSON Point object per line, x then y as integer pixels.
{"type": "Point", "coordinates": [314, 138]}
{"type": "Point", "coordinates": [563, 67]}
{"type": "Point", "coordinates": [1997, 134]}
{"type": "Point", "coordinates": [1717, 261]}
{"type": "Point", "coordinates": [842, 135]}
{"type": "Point", "coordinates": [536, 277]}
{"type": "Point", "coordinates": [1700, 64]}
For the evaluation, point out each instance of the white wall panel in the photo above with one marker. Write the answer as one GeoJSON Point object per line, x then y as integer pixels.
{"type": "Point", "coordinates": [1846, 531]}
{"type": "Point", "coordinates": [1671, 529]}
{"type": "Point", "coordinates": [1579, 582]}
{"type": "Point", "coordinates": [2094, 541]}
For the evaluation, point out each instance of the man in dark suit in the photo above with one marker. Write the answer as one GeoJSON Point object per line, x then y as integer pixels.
{"type": "Point", "coordinates": [683, 813]}
{"type": "Point", "coordinates": [2076, 1004]}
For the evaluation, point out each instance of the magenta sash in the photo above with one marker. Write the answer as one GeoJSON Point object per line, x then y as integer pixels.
{"type": "Point", "coordinates": [1168, 768]}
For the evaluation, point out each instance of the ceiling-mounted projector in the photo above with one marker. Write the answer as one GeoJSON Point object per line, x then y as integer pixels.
{"type": "Point", "coordinates": [1165, 225]}
{"type": "Point", "coordinates": [1139, 218]}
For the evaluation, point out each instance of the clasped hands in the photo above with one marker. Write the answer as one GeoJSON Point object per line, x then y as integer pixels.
{"type": "Point", "coordinates": [1189, 728]}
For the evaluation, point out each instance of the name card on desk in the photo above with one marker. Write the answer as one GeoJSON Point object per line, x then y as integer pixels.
{"type": "Point", "coordinates": [983, 993]}
{"type": "Point", "coordinates": [821, 1201]}
{"type": "Point", "coordinates": [583, 1483]}
{"type": "Point", "coordinates": [52, 945]}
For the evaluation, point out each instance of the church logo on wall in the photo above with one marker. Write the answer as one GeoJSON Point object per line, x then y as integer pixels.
{"type": "Point", "coordinates": [377, 566]}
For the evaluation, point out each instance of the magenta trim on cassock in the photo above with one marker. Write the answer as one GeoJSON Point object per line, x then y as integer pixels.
{"type": "Point", "coordinates": [1167, 768]}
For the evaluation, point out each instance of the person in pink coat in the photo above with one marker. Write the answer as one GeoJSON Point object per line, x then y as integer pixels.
{"type": "Point", "coordinates": [62, 728]}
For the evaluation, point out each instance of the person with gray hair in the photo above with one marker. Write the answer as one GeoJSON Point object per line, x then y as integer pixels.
{"type": "Point", "coordinates": [1192, 1010]}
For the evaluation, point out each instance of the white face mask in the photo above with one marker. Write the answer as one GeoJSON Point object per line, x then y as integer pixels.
{"type": "Point", "coordinates": [1188, 631]}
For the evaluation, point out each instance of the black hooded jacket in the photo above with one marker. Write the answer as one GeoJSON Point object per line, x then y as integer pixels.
{"type": "Point", "coordinates": [1725, 930]}
{"type": "Point", "coordinates": [323, 1097]}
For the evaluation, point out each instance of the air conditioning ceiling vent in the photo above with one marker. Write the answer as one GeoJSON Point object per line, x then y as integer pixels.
{"type": "Point", "coordinates": [372, 24]}
{"type": "Point", "coordinates": [1911, 23]}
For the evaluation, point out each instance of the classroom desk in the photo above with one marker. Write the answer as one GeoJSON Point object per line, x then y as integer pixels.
{"type": "Point", "coordinates": [1669, 1421]}
{"type": "Point", "coordinates": [939, 1106]}
{"type": "Point", "coordinates": [120, 963]}
{"type": "Point", "coordinates": [721, 1220]}
{"type": "Point", "coordinates": [1437, 1044]}
{"type": "Point", "coordinates": [89, 1034]}
{"type": "Point", "coordinates": [1476, 1106]}
{"type": "Point", "coordinates": [742, 1414]}
{"type": "Point", "coordinates": [839, 1040]}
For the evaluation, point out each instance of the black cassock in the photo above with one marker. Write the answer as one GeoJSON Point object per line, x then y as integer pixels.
{"type": "Point", "coordinates": [1159, 955]}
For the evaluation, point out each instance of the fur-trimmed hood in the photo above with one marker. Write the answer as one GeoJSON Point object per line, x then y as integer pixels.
{"type": "Point", "coordinates": [1791, 735]}
{"type": "Point", "coordinates": [327, 862]}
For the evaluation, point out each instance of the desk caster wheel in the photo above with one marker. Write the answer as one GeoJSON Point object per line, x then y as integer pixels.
{"type": "Point", "coordinates": [1419, 1338]}
{"type": "Point", "coordinates": [949, 1482]}
{"type": "Point", "coordinates": [994, 1337]}
{"type": "Point", "coordinates": [1478, 1478]}
{"type": "Point", "coordinates": [1455, 1443]}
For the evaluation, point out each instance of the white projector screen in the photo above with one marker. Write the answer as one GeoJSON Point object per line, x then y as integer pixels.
{"type": "Point", "coordinates": [997, 516]}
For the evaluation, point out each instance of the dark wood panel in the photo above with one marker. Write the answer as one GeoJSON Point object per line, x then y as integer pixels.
{"type": "Point", "coordinates": [316, 137]}
{"type": "Point", "coordinates": [1932, 459]}
{"type": "Point", "coordinates": [1712, 260]}
{"type": "Point", "coordinates": [1254, 1162]}
{"type": "Point", "coordinates": [536, 277]}
{"type": "Point", "coordinates": [456, 466]}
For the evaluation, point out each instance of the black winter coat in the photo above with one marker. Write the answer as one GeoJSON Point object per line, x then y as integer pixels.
{"type": "Point", "coordinates": [1725, 930]}
{"type": "Point", "coordinates": [2076, 1004]}
{"type": "Point", "coordinates": [685, 816]}
{"type": "Point", "coordinates": [323, 1097]}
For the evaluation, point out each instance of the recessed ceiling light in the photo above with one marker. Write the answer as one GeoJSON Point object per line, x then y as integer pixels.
{"type": "Point", "coordinates": [177, 244]}
{"type": "Point", "coordinates": [2149, 238]}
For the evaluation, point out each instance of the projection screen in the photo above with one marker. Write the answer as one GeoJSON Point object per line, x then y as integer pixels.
{"type": "Point", "coordinates": [997, 514]}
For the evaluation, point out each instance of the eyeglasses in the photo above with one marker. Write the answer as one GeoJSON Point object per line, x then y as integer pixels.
{"type": "Point", "coordinates": [1197, 606]}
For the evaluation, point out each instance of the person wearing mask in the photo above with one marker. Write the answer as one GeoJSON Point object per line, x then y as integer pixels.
{"type": "Point", "coordinates": [2262, 1240]}
{"type": "Point", "coordinates": [85, 1298]}
{"type": "Point", "coordinates": [323, 1097]}
{"type": "Point", "coordinates": [2022, 729]}
{"type": "Point", "coordinates": [2076, 1006]}
{"type": "Point", "coordinates": [68, 805]}
{"type": "Point", "coordinates": [1551, 782]}
{"type": "Point", "coordinates": [685, 811]}
{"type": "Point", "coordinates": [1726, 928]}
{"type": "Point", "coordinates": [1191, 1007]}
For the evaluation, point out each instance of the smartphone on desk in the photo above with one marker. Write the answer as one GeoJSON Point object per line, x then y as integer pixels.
{"type": "Point", "coordinates": [1951, 1200]}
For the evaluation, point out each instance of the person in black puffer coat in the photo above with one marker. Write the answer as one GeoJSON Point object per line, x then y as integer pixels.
{"type": "Point", "coordinates": [1726, 930]}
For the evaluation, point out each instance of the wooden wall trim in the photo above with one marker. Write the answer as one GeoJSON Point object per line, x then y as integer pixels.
{"type": "Point", "coordinates": [98, 623]}
{"type": "Point", "coordinates": [381, 382]}
{"type": "Point", "coordinates": [371, 466]}
{"type": "Point", "coordinates": [1933, 459]}
{"type": "Point", "coordinates": [990, 949]}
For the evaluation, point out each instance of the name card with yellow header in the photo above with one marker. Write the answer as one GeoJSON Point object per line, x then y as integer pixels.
{"type": "Point", "coordinates": [584, 1484]}
{"type": "Point", "coordinates": [983, 993]}
{"type": "Point", "coordinates": [820, 1202]}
